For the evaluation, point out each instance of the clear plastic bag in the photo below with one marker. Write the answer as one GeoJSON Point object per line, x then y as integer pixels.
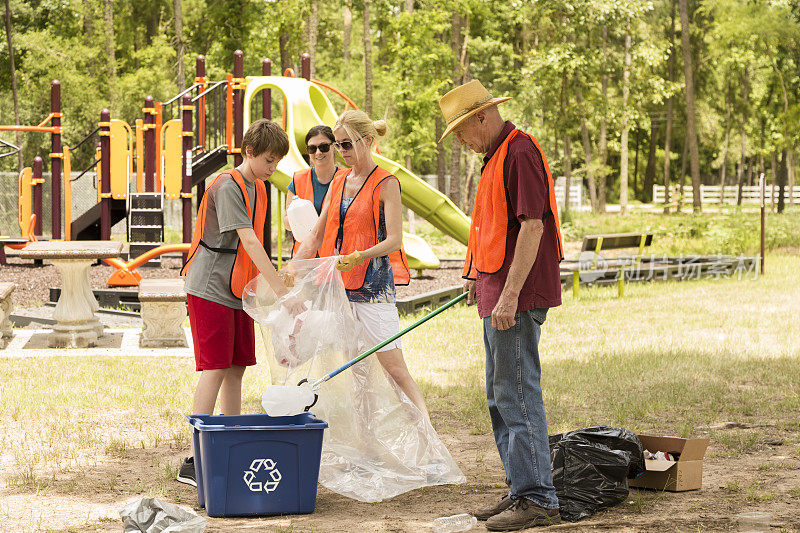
{"type": "Point", "coordinates": [378, 444]}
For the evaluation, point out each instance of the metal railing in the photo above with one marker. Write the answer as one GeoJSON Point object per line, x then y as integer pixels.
{"type": "Point", "coordinates": [209, 119]}
{"type": "Point", "coordinates": [14, 148]}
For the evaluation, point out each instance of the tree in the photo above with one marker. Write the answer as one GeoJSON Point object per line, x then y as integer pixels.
{"type": "Point", "coordinates": [108, 15]}
{"type": "Point", "coordinates": [13, 81]}
{"type": "Point", "coordinates": [177, 15]}
{"type": "Point", "coordinates": [603, 141]}
{"type": "Point", "coordinates": [587, 151]}
{"type": "Point", "coordinates": [458, 40]}
{"type": "Point", "coordinates": [650, 169]}
{"type": "Point", "coordinates": [347, 19]}
{"type": "Point", "coordinates": [367, 61]}
{"type": "Point", "coordinates": [723, 169]}
{"type": "Point", "coordinates": [668, 126]}
{"type": "Point", "coordinates": [623, 151]}
{"type": "Point", "coordinates": [313, 30]}
{"type": "Point", "coordinates": [691, 117]}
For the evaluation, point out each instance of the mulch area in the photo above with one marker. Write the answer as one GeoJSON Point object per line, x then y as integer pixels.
{"type": "Point", "coordinates": [34, 282]}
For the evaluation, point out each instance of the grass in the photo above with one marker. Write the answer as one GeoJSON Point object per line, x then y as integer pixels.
{"type": "Point", "coordinates": [731, 232]}
{"type": "Point", "coordinates": [670, 357]}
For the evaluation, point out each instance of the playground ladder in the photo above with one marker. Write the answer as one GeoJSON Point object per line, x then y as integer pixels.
{"type": "Point", "coordinates": [145, 224]}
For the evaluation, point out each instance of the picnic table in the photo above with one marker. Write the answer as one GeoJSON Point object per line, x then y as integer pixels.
{"type": "Point", "coordinates": [591, 266]}
{"type": "Point", "coordinates": [76, 325]}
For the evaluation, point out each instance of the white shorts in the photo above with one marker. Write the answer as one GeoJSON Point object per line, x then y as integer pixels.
{"type": "Point", "coordinates": [380, 321]}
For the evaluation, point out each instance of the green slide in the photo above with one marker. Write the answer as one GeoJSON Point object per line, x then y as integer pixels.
{"type": "Point", "coordinates": [307, 106]}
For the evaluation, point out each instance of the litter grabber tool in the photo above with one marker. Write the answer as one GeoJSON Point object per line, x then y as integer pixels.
{"type": "Point", "coordinates": [288, 400]}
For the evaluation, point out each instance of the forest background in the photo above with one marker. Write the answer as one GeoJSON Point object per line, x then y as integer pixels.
{"type": "Point", "coordinates": [621, 94]}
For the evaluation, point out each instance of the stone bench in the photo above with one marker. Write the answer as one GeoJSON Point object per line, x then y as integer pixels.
{"type": "Point", "coordinates": [163, 312]}
{"type": "Point", "coordinates": [6, 288]}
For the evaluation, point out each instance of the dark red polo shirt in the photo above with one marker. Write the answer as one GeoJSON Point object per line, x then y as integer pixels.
{"type": "Point", "coordinates": [527, 197]}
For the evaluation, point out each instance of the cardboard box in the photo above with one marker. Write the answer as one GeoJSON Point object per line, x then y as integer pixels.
{"type": "Point", "coordinates": [684, 474]}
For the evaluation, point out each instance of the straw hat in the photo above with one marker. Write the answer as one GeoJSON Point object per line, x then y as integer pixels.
{"type": "Point", "coordinates": [463, 102]}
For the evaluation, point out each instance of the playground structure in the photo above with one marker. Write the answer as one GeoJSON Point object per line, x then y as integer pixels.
{"type": "Point", "coordinates": [181, 142]}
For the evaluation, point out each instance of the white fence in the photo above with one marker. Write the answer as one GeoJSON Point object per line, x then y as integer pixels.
{"type": "Point", "coordinates": [711, 194]}
{"type": "Point", "coordinates": [575, 195]}
{"type": "Point", "coordinates": [576, 192]}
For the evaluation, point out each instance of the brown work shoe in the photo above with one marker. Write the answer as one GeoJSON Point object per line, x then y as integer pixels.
{"type": "Point", "coordinates": [486, 512]}
{"type": "Point", "coordinates": [523, 514]}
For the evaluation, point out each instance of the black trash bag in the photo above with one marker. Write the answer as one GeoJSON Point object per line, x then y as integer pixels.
{"type": "Point", "coordinates": [591, 467]}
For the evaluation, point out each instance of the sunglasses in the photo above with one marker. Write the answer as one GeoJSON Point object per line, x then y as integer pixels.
{"type": "Point", "coordinates": [346, 145]}
{"type": "Point", "coordinates": [324, 148]}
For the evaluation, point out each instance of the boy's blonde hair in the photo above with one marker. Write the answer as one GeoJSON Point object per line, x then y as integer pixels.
{"type": "Point", "coordinates": [265, 136]}
{"type": "Point", "coordinates": [358, 124]}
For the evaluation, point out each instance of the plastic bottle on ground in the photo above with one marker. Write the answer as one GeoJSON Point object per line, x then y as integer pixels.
{"type": "Point", "coordinates": [302, 216]}
{"type": "Point", "coordinates": [754, 521]}
{"type": "Point", "coordinates": [454, 524]}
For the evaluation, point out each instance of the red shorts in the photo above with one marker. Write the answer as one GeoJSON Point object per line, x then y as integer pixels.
{"type": "Point", "coordinates": [222, 336]}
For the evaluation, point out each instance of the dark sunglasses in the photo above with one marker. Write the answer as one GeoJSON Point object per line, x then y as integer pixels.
{"type": "Point", "coordinates": [324, 148]}
{"type": "Point", "coordinates": [346, 145]}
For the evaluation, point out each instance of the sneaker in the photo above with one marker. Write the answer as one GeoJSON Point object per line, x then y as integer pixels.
{"type": "Point", "coordinates": [186, 473]}
{"type": "Point", "coordinates": [522, 514]}
{"type": "Point", "coordinates": [485, 513]}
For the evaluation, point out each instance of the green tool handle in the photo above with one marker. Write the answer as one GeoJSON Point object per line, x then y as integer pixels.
{"type": "Point", "coordinates": [451, 303]}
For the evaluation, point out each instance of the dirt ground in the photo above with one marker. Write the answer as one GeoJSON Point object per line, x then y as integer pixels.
{"type": "Point", "coordinates": [90, 499]}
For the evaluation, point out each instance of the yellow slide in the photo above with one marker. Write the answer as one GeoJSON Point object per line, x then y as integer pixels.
{"type": "Point", "coordinates": [308, 106]}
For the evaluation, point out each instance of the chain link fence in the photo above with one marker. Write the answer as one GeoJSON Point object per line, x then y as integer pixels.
{"type": "Point", "coordinates": [84, 196]}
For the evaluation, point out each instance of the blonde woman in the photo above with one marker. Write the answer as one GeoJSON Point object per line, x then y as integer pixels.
{"type": "Point", "coordinates": [361, 220]}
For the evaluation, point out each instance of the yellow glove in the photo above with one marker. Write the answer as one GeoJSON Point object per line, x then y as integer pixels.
{"type": "Point", "coordinates": [286, 276]}
{"type": "Point", "coordinates": [347, 262]}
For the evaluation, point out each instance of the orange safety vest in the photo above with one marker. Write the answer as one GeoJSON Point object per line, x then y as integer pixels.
{"type": "Point", "coordinates": [489, 229]}
{"type": "Point", "coordinates": [359, 229]}
{"type": "Point", "coordinates": [303, 188]}
{"type": "Point", "coordinates": [243, 267]}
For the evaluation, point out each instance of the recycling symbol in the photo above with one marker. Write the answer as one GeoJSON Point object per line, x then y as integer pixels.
{"type": "Point", "coordinates": [273, 476]}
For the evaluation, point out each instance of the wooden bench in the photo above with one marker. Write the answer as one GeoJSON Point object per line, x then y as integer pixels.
{"type": "Point", "coordinates": [594, 244]}
{"type": "Point", "coordinates": [6, 288]}
{"type": "Point", "coordinates": [163, 312]}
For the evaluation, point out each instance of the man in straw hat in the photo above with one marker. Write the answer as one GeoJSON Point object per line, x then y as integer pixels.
{"type": "Point", "coordinates": [512, 272]}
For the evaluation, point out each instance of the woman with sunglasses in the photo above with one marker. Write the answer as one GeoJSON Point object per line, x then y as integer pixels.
{"type": "Point", "coordinates": [361, 220]}
{"type": "Point", "coordinates": [312, 183]}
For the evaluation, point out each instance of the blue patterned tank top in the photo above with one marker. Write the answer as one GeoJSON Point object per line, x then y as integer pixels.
{"type": "Point", "coordinates": [379, 281]}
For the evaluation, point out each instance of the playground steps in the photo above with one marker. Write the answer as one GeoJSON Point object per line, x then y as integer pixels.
{"type": "Point", "coordinates": [206, 163]}
{"type": "Point", "coordinates": [145, 224]}
{"type": "Point", "coordinates": [87, 226]}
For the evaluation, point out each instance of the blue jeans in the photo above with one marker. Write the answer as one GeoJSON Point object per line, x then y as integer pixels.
{"type": "Point", "coordinates": [516, 408]}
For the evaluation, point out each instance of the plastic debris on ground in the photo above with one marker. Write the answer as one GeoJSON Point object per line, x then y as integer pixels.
{"type": "Point", "coordinates": [591, 467]}
{"type": "Point", "coordinates": [454, 524]}
{"type": "Point", "coordinates": [150, 515]}
{"type": "Point", "coordinates": [378, 444]}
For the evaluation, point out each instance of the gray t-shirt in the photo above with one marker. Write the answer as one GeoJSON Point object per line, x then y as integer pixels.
{"type": "Point", "coordinates": [209, 274]}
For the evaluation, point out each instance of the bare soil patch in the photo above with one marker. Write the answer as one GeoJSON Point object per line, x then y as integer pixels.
{"type": "Point", "coordinates": [767, 479]}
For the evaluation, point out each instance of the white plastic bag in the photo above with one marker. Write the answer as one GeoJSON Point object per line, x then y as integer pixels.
{"type": "Point", "coordinates": [151, 515]}
{"type": "Point", "coordinates": [378, 444]}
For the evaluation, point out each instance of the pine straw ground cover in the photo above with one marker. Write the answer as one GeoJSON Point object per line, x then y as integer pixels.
{"type": "Point", "coordinates": [82, 436]}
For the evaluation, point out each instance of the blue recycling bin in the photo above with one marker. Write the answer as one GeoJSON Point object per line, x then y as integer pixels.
{"type": "Point", "coordinates": [249, 465]}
